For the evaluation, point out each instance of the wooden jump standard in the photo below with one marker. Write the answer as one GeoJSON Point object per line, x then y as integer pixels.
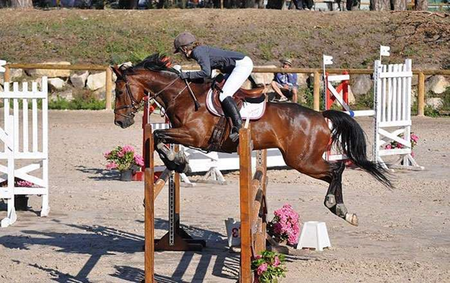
{"type": "Point", "coordinates": [176, 239]}
{"type": "Point", "coordinates": [252, 204]}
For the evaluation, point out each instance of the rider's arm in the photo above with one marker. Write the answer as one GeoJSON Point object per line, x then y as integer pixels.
{"type": "Point", "coordinates": [202, 59]}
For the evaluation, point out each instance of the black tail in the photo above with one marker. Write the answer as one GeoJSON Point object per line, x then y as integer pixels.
{"type": "Point", "coordinates": [353, 143]}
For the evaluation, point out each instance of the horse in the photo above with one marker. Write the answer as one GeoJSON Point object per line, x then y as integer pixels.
{"type": "Point", "coordinates": [301, 134]}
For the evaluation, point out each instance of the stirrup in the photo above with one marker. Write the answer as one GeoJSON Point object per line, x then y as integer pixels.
{"type": "Point", "coordinates": [234, 134]}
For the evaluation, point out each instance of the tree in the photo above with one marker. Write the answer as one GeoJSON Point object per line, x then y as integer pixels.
{"type": "Point", "coordinates": [21, 3]}
{"type": "Point", "coordinates": [380, 5]}
{"type": "Point", "coordinates": [421, 5]}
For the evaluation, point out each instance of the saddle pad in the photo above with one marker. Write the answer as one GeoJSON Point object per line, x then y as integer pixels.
{"type": "Point", "coordinates": [252, 111]}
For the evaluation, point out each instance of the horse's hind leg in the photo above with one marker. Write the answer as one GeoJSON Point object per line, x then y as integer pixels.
{"type": "Point", "coordinates": [334, 199]}
{"type": "Point", "coordinates": [315, 166]}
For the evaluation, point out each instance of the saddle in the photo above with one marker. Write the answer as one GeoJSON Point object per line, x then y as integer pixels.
{"type": "Point", "coordinates": [255, 106]}
{"type": "Point", "coordinates": [255, 95]}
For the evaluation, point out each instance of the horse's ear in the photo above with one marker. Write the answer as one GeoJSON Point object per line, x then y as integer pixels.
{"type": "Point", "coordinates": [117, 71]}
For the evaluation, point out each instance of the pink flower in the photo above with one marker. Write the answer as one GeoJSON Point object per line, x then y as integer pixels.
{"type": "Point", "coordinates": [106, 154]}
{"type": "Point", "coordinates": [121, 153]}
{"type": "Point", "coordinates": [388, 146]}
{"type": "Point", "coordinates": [414, 138]}
{"type": "Point", "coordinates": [127, 148]}
{"type": "Point", "coordinates": [138, 160]}
{"type": "Point", "coordinates": [258, 257]}
{"type": "Point", "coordinates": [276, 261]}
{"type": "Point", "coordinates": [261, 269]}
{"type": "Point", "coordinates": [111, 165]}
{"type": "Point", "coordinates": [25, 184]}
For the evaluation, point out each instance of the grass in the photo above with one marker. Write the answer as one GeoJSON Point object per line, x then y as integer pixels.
{"type": "Point", "coordinates": [117, 36]}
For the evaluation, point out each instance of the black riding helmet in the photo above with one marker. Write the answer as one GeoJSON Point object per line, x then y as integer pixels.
{"type": "Point", "coordinates": [183, 39]}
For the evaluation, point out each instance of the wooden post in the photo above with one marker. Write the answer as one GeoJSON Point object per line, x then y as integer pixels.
{"type": "Point", "coordinates": [109, 83]}
{"type": "Point", "coordinates": [421, 95]}
{"type": "Point", "coordinates": [244, 185]}
{"type": "Point", "coordinates": [149, 208]}
{"type": "Point", "coordinates": [7, 75]}
{"type": "Point", "coordinates": [316, 91]}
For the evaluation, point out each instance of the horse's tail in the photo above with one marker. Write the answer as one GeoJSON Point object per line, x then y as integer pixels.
{"type": "Point", "coordinates": [353, 143]}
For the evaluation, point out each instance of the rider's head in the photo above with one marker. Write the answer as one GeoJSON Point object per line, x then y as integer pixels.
{"type": "Point", "coordinates": [185, 42]}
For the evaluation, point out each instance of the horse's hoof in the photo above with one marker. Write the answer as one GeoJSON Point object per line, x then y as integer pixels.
{"type": "Point", "coordinates": [341, 210]}
{"type": "Point", "coordinates": [330, 201]}
{"type": "Point", "coordinates": [169, 154]}
{"type": "Point", "coordinates": [183, 168]}
{"type": "Point", "coordinates": [352, 219]}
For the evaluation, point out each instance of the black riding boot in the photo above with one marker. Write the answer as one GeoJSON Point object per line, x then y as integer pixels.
{"type": "Point", "coordinates": [231, 111]}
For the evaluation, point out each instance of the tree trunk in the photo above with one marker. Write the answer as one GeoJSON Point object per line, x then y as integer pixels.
{"type": "Point", "coordinates": [380, 5]}
{"type": "Point", "coordinates": [421, 5]}
{"type": "Point", "coordinates": [21, 3]}
{"type": "Point", "coordinates": [398, 5]}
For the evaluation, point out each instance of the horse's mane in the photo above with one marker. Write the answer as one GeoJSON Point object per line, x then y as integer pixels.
{"type": "Point", "coordinates": [154, 62]}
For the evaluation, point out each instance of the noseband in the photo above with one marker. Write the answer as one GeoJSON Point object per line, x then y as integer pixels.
{"type": "Point", "coordinates": [135, 105]}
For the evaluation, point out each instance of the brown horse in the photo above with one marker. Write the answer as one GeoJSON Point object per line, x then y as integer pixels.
{"type": "Point", "coordinates": [301, 134]}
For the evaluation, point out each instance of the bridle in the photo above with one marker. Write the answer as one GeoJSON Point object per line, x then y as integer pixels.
{"type": "Point", "coordinates": [136, 105]}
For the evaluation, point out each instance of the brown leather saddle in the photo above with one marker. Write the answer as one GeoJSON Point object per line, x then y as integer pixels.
{"type": "Point", "coordinates": [255, 95]}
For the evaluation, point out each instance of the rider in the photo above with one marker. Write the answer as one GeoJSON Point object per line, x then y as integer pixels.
{"type": "Point", "coordinates": [236, 65]}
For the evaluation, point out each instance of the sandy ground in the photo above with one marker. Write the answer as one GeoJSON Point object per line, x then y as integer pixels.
{"type": "Point", "coordinates": [94, 232]}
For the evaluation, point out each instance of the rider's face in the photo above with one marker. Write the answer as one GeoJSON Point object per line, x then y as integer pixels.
{"type": "Point", "coordinates": [187, 52]}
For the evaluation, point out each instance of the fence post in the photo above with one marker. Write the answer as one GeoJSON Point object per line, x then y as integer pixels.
{"type": "Point", "coordinates": [316, 91]}
{"type": "Point", "coordinates": [7, 75]}
{"type": "Point", "coordinates": [421, 96]}
{"type": "Point", "coordinates": [108, 88]}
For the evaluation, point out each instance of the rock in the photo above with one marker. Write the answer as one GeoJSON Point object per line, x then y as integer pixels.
{"type": "Point", "coordinates": [79, 80]}
{"type": "Point", "coordinates": [263, 78]}
{"type": "Point", "coordinates": [100, 93]}
{"type": "Point", "coordinates": [51, 73]}
{"type": "Point", "coordinates": [302, 79]}
{"type": "Point", "coordinates": [361, 84]}
{"type": "Point", "coordinates": [247, 85]}
{"type": "Point", "coordinates": [437, 84]}
{"type": "Point", "coordinates": [351, 96]}
{"type": "Point", "coordinates": [16, 73]}
{"type": "Point", "coordinates": [435, 103]}
{"type": "Point", "coordinates": [56, 84]}
{"type": "Point", "coordinates": [96, 81]}
{"type": "Point", "coordinates": [67, 94]}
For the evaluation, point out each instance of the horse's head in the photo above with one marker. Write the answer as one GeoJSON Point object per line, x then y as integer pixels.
{"type": "Point", "coordinates": [132, 85]}
{"type": "Point", "coordinates": [129, 94]}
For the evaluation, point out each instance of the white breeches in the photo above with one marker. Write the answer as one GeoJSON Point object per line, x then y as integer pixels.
{"type": "Point", "coordinates": [237, 77]}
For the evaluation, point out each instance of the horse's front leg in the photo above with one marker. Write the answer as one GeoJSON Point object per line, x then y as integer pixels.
{"type": "Point", "coordinates": [177, 161]}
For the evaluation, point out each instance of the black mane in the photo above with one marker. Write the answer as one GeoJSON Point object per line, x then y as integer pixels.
{"type": "Point", "coordinates": [154, 62]}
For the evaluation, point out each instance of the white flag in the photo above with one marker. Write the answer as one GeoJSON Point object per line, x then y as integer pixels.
{"type": "Point", "coordinates": [384, 50]}
{"type": "Point", "coordinates": [2, 63]}
{"type": "Point", "coordinates": [327, 60]}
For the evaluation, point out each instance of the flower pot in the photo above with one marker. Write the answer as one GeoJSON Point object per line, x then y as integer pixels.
{"type": "Point", "coordinates": [126, 175]}
{"type": "Point", "coordinates": [21, 202]}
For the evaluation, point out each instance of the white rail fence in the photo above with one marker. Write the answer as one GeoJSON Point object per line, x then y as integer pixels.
{"type": "Point", "coordinates": [24, 145]}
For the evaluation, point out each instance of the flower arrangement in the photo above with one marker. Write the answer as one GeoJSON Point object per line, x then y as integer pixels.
{"type": "Point", "coordinates": [23, 183]}
{"type": "Point", "coordinates": [285, 226]}
{"type": "Point", "coordinates": [268, 267]}
{"type": "Point", "coordinates": [413, 138]}
{"type": "Point", "coordinates": [123, 158]}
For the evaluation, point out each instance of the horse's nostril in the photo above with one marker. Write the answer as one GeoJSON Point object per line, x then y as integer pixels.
{"type": "Point", "coordinates": [118, 123]}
